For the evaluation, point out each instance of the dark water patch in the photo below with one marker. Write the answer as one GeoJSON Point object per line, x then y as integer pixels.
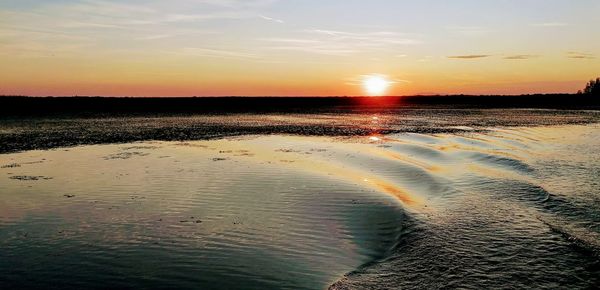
{"type": "Point", "coordinates": [187, 144]}
{"type": "Point", "coordinates": [125, 155]}
{"type": "Point", "coordinates": [480, 244]}
{"type": "Point", "coordinates": [515, 190]}
{"type": "Point", "coordinates": [583, 214]}
{"type": "Point", "coordinates": [139, 147]}
{"type": "Point", "coordinates": [34, 162]}
{"type": "Point", "coordinates": [288, 151]}
{"type": "Point", "coordinates": [499, 161]}
{"type": "Point", "coordinates": [503, 142]}
{"type": "Point", "coordinates": [580, 213]}
{"type": "Point", "coordinates": [473, 141]}
{"type": "Point", "coordinates": [12, 165]}
{"type": "Point", "coordinates": [580, 237]}
{"type": "Point", "coordinates": [419, 150]}
{"type": "Point", "coordinates": [318, 150]}
{"type": "Point", "coordinates": [29, 177]}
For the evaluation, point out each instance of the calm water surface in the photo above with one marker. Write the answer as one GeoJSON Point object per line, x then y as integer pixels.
{"type": "Point", "coordinates": [505, 208]}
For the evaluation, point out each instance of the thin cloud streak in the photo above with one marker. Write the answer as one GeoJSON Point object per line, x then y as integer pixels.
{"type": "Point", "coordinates": [470, 31]}
{"type": "Point", "coordinates": [550, 24]}
{"type": "Point", "coordinates": [339, 43]}
{"type": "Point", "coordinates": [377, 37]}
{"type": "Point", "coordinates": [318, 49]}
{"type": "Point", "coordinates": [108, 22]}
{"type": "Point", "coordinates": [520, 57]}
{"type": "Point", "coordinates": [216, 53]}
{"type": "Point", "coordinates": [235, 4]}
{"type": "Point", "coordinates": [470, 56]}
{"type": "Point", "coordinates": [271, 19]}
{"type": "Point", "coordinates": [580, 55]}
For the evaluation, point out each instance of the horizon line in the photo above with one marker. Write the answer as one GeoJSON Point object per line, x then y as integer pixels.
{"type": "Point", "coordinates": [279, 96]}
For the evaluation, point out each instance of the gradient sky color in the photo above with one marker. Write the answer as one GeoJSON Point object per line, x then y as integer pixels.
{"type": "Point", "coordinates": [296, 47]}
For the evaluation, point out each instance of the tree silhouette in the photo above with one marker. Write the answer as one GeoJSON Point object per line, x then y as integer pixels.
{"type": "Point", "coordinates": [592, 87]}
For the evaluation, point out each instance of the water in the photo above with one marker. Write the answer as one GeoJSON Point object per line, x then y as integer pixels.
{"type": "Point", "coordinates": [523, 212]}
{"type": "Point", "coordinates": [508, 207]}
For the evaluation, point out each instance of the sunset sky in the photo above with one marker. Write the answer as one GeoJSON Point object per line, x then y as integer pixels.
{"type": "Point", "coordinates": [296, 47]}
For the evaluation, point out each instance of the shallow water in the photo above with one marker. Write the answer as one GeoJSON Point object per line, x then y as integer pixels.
{"type": "Point", "coordinates": [501, 208]}
{"type": "Point", "coordinates": [19, 134]}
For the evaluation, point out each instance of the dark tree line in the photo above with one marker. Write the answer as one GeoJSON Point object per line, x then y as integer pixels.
{"type": "Point", "coordinates": [592, 88]}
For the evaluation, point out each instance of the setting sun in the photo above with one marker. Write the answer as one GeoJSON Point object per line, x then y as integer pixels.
{"type": "Point", "coordinates": [376, 85]}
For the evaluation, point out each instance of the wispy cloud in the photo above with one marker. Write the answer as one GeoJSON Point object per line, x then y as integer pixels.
{"type": "Point", "coordinates": [83, 18]}
{"type": "Point", "coordinates": [470, 31]}
{"type": "Point", "coordinates": [201, 17]}
{"type": "Point", "coordinates": [308, 45]}
{"type": "Point", "coordinates": [367, 38]}
{"type": "Point", "coordinates": [550, 24]}
{"type": "Point", "coordinates": [324, 49]}
{"type": "Point", "coordinates": [291, 40]}
{"type": "Point", "coordinates": [426, 58]}
{"type": "Point", "coordinates": [113, 15]}
{"type": "Point", "coordinates": [520, 56]}
{"type": "Point", "coordinates": [216, 53]}
{"type": "Point", "coordinates": [340, 43]}
{"type": "Point", "coordinates": [102, 23]}
{"type": "Point", "coordinates": [507, 57]}
{"type": "Point", "coordinates": [235, 4]}
{"type": "Point", "coordinates": [155, 37]}
{"type": "Point", "coordinates": [469, 56]}
{"type": "Point", "coordinates": [580, 55]}
{"type": "Point", "coordinates": [271, 19]}
{"type": "Point", "coordinates": [98, 7]}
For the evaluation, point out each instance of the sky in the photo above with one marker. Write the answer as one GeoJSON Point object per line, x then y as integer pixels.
{"type": "Point", "coordinates": [296, 47]}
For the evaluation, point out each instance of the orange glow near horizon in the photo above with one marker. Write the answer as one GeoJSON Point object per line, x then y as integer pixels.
{"type": "Point", "coordinates": [70, 75]}
{"type": "Point", "coordinates": [281, 48]}
{"type": "Point", "coordinates": [152, 87]}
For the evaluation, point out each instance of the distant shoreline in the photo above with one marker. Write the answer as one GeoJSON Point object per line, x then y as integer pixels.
{"type": "Point", "coordinates": [23, 106]}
